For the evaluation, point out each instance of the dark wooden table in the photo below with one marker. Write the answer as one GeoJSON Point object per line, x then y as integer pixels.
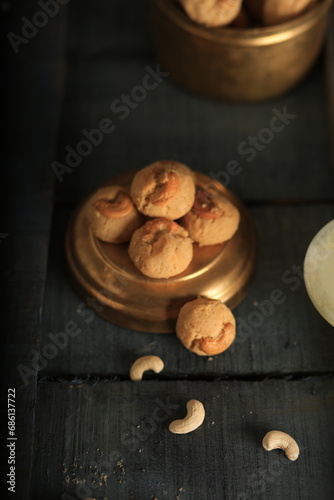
{"type": "Point", "coordinates": [84, 430]}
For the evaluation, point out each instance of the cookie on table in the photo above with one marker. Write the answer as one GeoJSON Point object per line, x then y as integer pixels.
{"type": "Point", "coordinates": [113, 216]}
{"type": "Point", "coordinates": [164, 189]}
{"type": "Point", "coordinates": [212, 219]}
{"type": "Point", "coordinates": [206, 326]}
{"type": "Point", "coordinates": [161, 248]}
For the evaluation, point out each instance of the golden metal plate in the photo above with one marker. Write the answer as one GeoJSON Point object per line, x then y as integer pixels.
{"type": "Point", "coordinates": [108, 281]}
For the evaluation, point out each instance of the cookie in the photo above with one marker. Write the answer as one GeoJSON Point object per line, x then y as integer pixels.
{"type": "Point", "coordinates": [212, 219]}
{"type": "Point", "coordinates": [273, 12]}
{"type": "Point", "coordinates": [212, 12]}
{"type": "Point", "coordinates": [280, 11]}
{"type": "Point", "coordinates": [206, 326]}
{"type": "Point", "coordinates": [113, 216]}
{"type": "Point", "coordinates": [161, 248]}
{"type": "Point", "coordinates": [164, 189]}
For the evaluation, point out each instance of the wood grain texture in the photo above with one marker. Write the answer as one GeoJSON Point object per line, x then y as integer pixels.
{"type": "Point", "coordinates": [282, 338]}
{"type": "Point", "coordinates": [111, 441]}
{"type": "Point", "coordinates": [43, 38]}
{"type": "Point", "coordinates": [170, 123]}
{"type": "Point", "coordinates": [329, 54]}
{"type": "Point", "coordinates": [102, 30]}
{"type": "Point", "coordinates": [32, 84]}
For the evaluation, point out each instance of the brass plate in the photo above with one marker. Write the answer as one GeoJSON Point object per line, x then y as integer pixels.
{"type": "Point", "coordinates": [108, 281]}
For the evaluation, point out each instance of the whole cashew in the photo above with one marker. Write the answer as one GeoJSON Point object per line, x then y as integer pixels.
{"type": "Point", "coordinates": [120, 206]}
{"type": "Point", "coordinates": [194, 418]}
{"type": "Point", "coordinates": [278, 439]}
{"type": "Point", "coordinates": [145, 363]}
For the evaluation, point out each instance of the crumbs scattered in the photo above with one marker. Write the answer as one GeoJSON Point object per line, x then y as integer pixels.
{"type": "Point", "coordinates": [78, 473]}
{"type": "Point", "coordinates": [121, 470]}
{"type": "Point", "coordinates": [178, 497]}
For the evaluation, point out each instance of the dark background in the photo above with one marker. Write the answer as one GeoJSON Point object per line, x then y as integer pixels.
{"type": "Point", "coordinates": [83, 429]}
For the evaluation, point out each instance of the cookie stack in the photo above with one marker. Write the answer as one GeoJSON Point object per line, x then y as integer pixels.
{"type": "Point", "coordinates": [160, 194]}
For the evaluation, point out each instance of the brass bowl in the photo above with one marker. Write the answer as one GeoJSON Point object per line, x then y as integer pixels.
{"type": "Point", "coordinates": [108, 281]}
{"type": "Point", "coordinates": [237, 64]}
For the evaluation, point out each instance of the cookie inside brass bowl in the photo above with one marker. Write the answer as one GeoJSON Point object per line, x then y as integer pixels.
{"type": "Point", "coordinates": [105, 276]}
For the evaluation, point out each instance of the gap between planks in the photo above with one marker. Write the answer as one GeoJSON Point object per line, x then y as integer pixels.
{"type": "Point", "coordinates": [94, 379]}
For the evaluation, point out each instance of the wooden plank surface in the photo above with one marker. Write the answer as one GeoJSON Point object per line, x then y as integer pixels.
{"type": "Point", "coordinates": [169, 123]}
{"type": "Point", "coordinates": [291, 337]}
{"type": "Point", "coordinates": [28, 35]}
{"type": "Point", "coordinates": [103, 32]}
{"type": "Point", "coordinates": [329, 55]}
{"type": "Point", "coordinates": [111, 441]}
{"type": "Point", "coordinates": [32, 83]}
{"type": "Point", "coordinates": [80, 423]}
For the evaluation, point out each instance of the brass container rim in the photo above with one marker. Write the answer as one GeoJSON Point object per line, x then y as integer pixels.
{"type": "Point", "coordinates": [253, 37]}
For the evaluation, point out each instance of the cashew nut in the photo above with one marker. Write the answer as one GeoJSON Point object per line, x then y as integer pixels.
{"type": "Point", "coordinates": [155, 228]}
{"type": "Point", "coordinates": [204, 207]}
{"type": "Point", "coordinates": [278, 439]}
{"type": "Point", "coordinates": [167, 186]}
{"type": "Point", "coordinates": [145, 363]}
{"type": "Point", "coordinates": [120, 206]}
{"type": "Point", "coordinates": [194, 418]}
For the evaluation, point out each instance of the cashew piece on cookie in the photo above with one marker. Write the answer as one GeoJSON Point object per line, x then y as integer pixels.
{"type": "Point", "coordinates": [278, 439]}
{"type": "Point", "coordinates": [145, 363]}
{"type": "Point", "coordinates": [194, 418]}
{"type": "Point", "coordinates": [120, 206]}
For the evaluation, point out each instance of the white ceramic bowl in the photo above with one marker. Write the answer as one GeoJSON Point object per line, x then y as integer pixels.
{"type": "Point", "coordinates": [319, 271]}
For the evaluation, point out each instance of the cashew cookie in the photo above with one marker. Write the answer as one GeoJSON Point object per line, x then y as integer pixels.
{"type": "Point", "coordinates": [113, 216]}
{"type": "Point", "coordinates": [206, 326]}
{"type": "Point", "coordinates": [273, 12]}
{"type": "Point", "coordinates": [279, 11]}
{"type": "Point", "coordinates": [161, 248]}
{"type": "Point", "coordinates": [211, 220]}
{"type": "Point", "coordinates": [164, 189]}
{"type": "Point", "coordinates": [212, 12]}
